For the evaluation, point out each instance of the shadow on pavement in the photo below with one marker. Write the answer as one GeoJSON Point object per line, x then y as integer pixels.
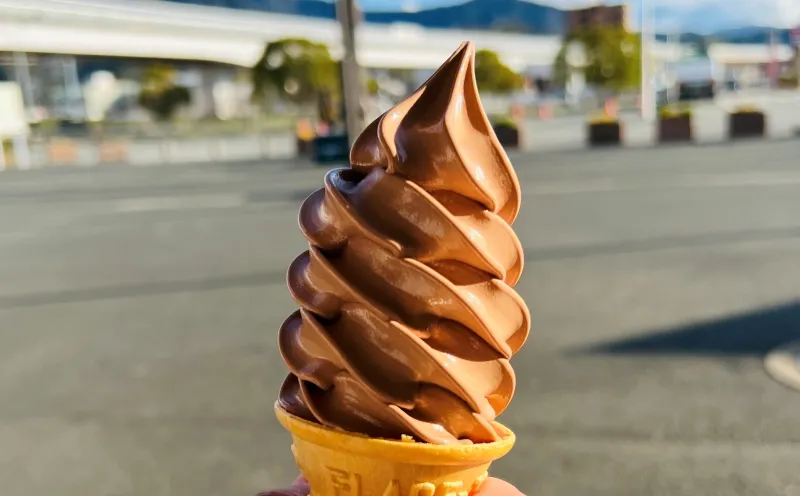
{"type": "Point", "coordinates": [750, 334]}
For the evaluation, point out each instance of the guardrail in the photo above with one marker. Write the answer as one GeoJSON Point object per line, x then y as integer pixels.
{"type": "Point", "coordinates": [143, 152]}
{"type": "Point", "coordinates": [537, 132]}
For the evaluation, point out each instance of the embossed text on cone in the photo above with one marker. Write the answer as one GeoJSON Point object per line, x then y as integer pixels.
{"type": "Point", "coordinates": [344, 464]}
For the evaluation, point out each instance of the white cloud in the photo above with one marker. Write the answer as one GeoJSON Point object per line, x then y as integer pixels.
{"type": "Point", "coordinates": [779, 13]}
{"type": "Point", "coordinates": [790, 11]}
{"type": "Point", "coordinates": [410, 6]}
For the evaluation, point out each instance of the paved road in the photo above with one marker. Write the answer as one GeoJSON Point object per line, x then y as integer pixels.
{"type": "Point", "coordinates": [138, 311]}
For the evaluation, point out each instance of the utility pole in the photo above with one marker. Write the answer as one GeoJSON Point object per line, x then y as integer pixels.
{"type": "Point", "coordinates": [22, 73]}
{"type": "Point", "coordinates": [74, 100]}
{"type": "Point", "coordinates": [648, 95]}
{"type": "Point", "coordinates": [673, 42]}
{"type": "Point", "coordinates": [347, 13]}
{"type": "Point", "coordinates": [797, 64]}
{"type": "Point", "coordinates": [774, 69]}
{"type": "Point", "coordinates": [796, 45]}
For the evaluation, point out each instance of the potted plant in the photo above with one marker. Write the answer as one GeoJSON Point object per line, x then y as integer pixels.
{"type": "Point", "coordinates": [746, 122]}
{"type": "Point", "coordinates": [507, 132]}
{"type": "Point", "coordinates": [674, 124]}
{"type": "Point", "coordinates": [605, 130]}
{"type": "Point", "coordinates": [789, 81]}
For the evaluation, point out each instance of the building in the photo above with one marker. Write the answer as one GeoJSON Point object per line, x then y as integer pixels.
{"type": "Point", "coordinates": [752, 64]}
{"type": "Point", "coordinates": [55, 57]}
{"type": "Point", "coordinates": [77, 59]}
{"type": "Point", "coordinates": [611, 16]}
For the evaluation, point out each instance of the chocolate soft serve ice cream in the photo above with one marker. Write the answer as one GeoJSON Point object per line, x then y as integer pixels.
{"type": "Point", "coordinates": [408, 316]}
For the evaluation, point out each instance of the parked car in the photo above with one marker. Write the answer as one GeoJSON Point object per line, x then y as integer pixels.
{"type": "Point", "coordinates": [697, 90]}
{"type": "Point", "coordinates": [698, 79]}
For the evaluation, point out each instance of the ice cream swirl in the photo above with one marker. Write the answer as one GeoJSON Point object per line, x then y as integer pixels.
{"type": "Point", "coordinates": [408, 316]}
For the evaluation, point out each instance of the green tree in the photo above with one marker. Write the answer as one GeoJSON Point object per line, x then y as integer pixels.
{"type": "Point", "coordinates": [159, 94]}
{"type": "Point", "coordinates": [373, 87]}
{"type": "Point", "coordinates": [612, 55]}
{"type": "Point", "coordinates": [297, 69]}
{"type": "Point", "coordinates": [494, 76]}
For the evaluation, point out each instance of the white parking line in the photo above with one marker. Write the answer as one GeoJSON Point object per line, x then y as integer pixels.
{"type": "Point", "coordinates": [744, 179]}
{"type": "Point", "coordinates": [179, 203]}
{"type": "Point", "coordinates": [682, 182]}
{"type": "Point", "coordinates": [783, 364]}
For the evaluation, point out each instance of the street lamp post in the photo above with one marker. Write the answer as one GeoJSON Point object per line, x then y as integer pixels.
{"type": "Point", "coordinates": [673, 43]}
{"type": "Point", "coordinates": [795, 34]}
{"type": "Point", "coordinates": [576, 63]}
{"type": "Point", "coordinates": [346, 12]}
{"type": "Point", "coordinates": [797, 64]}
{"type": "Point", "coordinates": [773, 68]}
{"type": "Point", "coordinates": [22, 70]}
{"type": "Point", "coordinates": [648, 96]}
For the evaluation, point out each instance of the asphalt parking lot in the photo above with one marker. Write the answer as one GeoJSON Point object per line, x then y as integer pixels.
{"type": "Point", "coordinates": [139, 309]}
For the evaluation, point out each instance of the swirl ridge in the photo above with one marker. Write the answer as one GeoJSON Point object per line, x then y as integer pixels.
{"type": "Point", "coordinates": [408, 316]}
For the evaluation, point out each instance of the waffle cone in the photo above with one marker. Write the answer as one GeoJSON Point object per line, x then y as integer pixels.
{"type": "Point", "coordinates": [345, 464]}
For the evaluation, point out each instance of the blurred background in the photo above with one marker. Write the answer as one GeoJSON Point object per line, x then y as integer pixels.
{"type": "Point", "coordinates": [154, 155]}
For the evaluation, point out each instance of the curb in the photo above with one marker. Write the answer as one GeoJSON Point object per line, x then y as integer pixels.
{"type": "Point", "coordinates": [783, 365]}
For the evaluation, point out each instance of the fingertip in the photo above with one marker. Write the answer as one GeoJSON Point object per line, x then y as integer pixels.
{"type": "Point", "coordinates": [300, 487]}
{"type": "Point", "coordinates": [497, 487]}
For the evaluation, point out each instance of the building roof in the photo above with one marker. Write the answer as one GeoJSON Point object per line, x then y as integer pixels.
{"type": "Point", "coordinates": [159, 29]}
{"type": "Point", "coordinates": [730, 53]}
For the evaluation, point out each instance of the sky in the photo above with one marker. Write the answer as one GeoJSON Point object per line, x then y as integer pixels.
{"type": "Point", "coordinates": [778, 13]}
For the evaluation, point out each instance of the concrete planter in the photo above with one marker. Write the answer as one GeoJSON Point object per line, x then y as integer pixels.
{"type": "Point", "coordinates": [508, 136]}
{"type": "Point", "coordinates": [606, 133]}
{"type": "Point", "coordinates": [333, 148]}
{"type": "Point", "coordinates": [675, 129]}
{"type": "Point", "coordinates": [305, 147]}
{"type": "Point", "coordinates": [113, 152]}
{"type": "Point", "coordinates": [62, 151]}
{"type": "Point", "coordinates": [747, 125]}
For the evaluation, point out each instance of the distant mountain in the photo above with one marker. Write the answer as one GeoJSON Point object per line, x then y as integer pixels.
{"type": "Point", "coordinates": [724, 17]}
{"type": "Point", "coordinates": [755, 35]}
{"type": "Point", "coordinates": [752, 35]}
{"type": "Point", "coordinates": [699, 24]}
{"type": "Point", "coordinates": [501, 15]}
{"type": "Point", "coordinates": [310, 8]}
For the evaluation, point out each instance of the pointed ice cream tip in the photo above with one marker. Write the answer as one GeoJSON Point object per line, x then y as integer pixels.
{"type": "Point", "coordinates": [441, 139]}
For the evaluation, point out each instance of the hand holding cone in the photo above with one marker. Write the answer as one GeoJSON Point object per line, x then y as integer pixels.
{"type": "Point", "coordinates": [492, 487]}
